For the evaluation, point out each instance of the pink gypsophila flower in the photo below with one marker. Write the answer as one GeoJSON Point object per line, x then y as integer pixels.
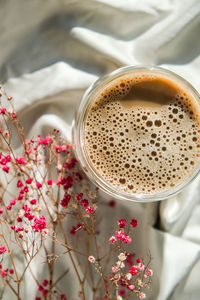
{"type": "Point", "coordinates": [29, 180]}
{"type": "Point", "coordinates": [134, 223]}
{"type": "Point", "coordinates": [84, 203]}
{"type": "Point", "coordinates": [79, 196]}
{"type": "Point", "coordinates": [19, 183]}
{"type": "Point", "coordinates": [122, 223]}
{"type": "Point", "coordinates": [91, 259]}
{"type": "Point", "coordinates": [45, 141]}
{"type": "Point", "coordinates": [9, 207]}
{"type": "Point", "coordinates": [112, 239]}
{"type": "Point", "coordinates": [49, 182]}
{"type": "Point", "coordinates": [6, 168]}
{"type": "Point", "coordinates": [3, 161]}
{"type": "Point", "coordinates": [65, 200]}
{"type": "Point", "coordinates": [39, 224]}
{"type": "Point", "coordinates": [21, 160]}
{"type": "Point", "coordinates": [133, 270]}
{"type": "Point", "coordinates": [89, 210]}
{"type": "Point", "coordinates": [12, 201]}
{"type": "Point", "coordinates": [149, 272]}
{"type": "Point", "coordinates": [63, 297]}
{"type": "Point", "coordinates": [4, 273]}
{"type": "Point", "coordinates": [8, 158]}
{"type": "Point", "coordinates": [142, 295]}
{"type": "Point", "coordinates": [19, 228]}
{"type": "Point", "coordinates": [38, 185]}
{"type": "Point", "coordinates": [140, 267]}
{"type": "Point", "coordinates": [115, 269]}
{"type": "Point", "coordinates": [33, 201]}
{"type": "Point", "coordinates": [119, 235]}
{"type": "Point", "coordinates": [126, 239]}
{"type": "Point", "coordinates": [45, 282]}
{"type": "Point", "coordinates": [3, 111]}
{"type": "Point", "coordinates": [2, 249]}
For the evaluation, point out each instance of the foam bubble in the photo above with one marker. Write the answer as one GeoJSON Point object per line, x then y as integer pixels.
{"type": "Point", "coordinates": [142, 134]}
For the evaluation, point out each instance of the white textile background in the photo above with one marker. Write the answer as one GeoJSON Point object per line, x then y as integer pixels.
{"type": "Point", "coordinates": [51, 51]}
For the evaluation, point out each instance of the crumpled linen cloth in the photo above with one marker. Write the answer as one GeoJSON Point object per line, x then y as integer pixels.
{"type": "Point", "coordinates": [51, 51]}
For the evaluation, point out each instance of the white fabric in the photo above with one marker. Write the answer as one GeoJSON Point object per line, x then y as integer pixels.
{"type": "Point", "coordinates": [57, 49]}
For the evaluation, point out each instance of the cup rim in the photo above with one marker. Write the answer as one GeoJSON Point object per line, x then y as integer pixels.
{"type": "Point", "coordinates": [78, 141]}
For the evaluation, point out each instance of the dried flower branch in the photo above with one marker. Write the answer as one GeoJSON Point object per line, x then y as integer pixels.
{"type": "Point", "coordinates": [48, 211]}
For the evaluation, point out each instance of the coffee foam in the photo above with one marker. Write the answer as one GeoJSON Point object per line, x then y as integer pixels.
{"type": "Point", "coordinates": [142, 133]}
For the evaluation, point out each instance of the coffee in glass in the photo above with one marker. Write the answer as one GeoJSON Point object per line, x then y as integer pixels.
{"type": "Point", "coordinates": [137, 133]}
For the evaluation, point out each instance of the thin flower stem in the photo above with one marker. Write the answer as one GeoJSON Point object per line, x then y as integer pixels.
{"type": "Point", "coordinates": [13, 290]}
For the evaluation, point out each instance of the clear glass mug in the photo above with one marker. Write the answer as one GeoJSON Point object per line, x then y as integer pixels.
{"type": "Point", "coordinates": [81, 151]}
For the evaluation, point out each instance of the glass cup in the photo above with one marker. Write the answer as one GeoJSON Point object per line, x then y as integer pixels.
{"type": "Point", "coordinates": [79, 127]}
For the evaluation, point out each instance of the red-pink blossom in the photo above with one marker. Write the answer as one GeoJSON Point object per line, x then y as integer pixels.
{"type": "Point", "coordinates": [111, 203]}
{"type": "Point", "coordinates": [45, 282]}
{"type": "Point", "coordinates": [71, 164]}
{"type": "Point", "coordinates": [3, 111]}
{"type": "Point", "coordinates": [20, 197]}
{"type": "Point", "coordinates": [38, 185]}
{"type": "Point", "coordinates": [133, 270]}
{"type": "Point", "coordinates": [14, 115]}
{"type": "Point", "coordinates": [8, 158]}
{"type": "Point", "coordinates": [1, 210]}
{"type": "Point", "coordinates": [149, 272]}
{"type": "Point", "coordinates": [122, 223]}
{"type": "Point", "coordinates": [3, 161]}
{"type": "Point", "coordinates": [84, 203]}
{"type": "Point", "coordinates": [6, 168]}
{"type": "Point", "coordinates": [39, 223]}
{"type": "Point", "coordinates": [119, 235]}
{"type": "Point", "coordinates": [112, 239]}
{"type": "Point", "coordinates": [65, 200]}
{"type": "Point", "coordinates": [19, 228]}
{"type": "Point", "coordinates": [26, 189]}
{"type": "Point", "coordinates": [47, 140]}
{"type": "Point", "coordinates": [11, 271]}
{"type": "Point", "coordinates": [21, 160]}
{"type": "Point", "coordinates": [126, 239]}
{"type": "Point", "coordinates": [79, 196]}
{"type": "Point", "coordinates": [28, 142]}
{"type": "Point", "coordinates": [4, 273]}
{"type": "Point", "coordinates": [33, 201]}
{"type": "Point", "coordinates": [142, 295]}
{"type": "Point", "coordinates": [122, 292]}
{"type": "Point", "coordinates": [2, 249]}
{"type": "Point", "coordinates": [49, 182]}
{"type": "Point", "coordinates": [134, 223]}
{"type": "Point", "coordinates": [12, 201]}
{"type": "Point", "coordinates": [63, 148]}
{"type": "Point", "coordinates": [57, 148]}
{"type": "Point", "coordinates": [29, 180]}
{"type": "Point", "coordinates": [19, 219]}
{"type": "Point", "coordinates": [9, 207]}
{"type": "Point", "coordinates": [89, 210]}
{"type": "Point", "coordinates": [19, 183]}
{"type": "Point", "coordinates": [45, 292]}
